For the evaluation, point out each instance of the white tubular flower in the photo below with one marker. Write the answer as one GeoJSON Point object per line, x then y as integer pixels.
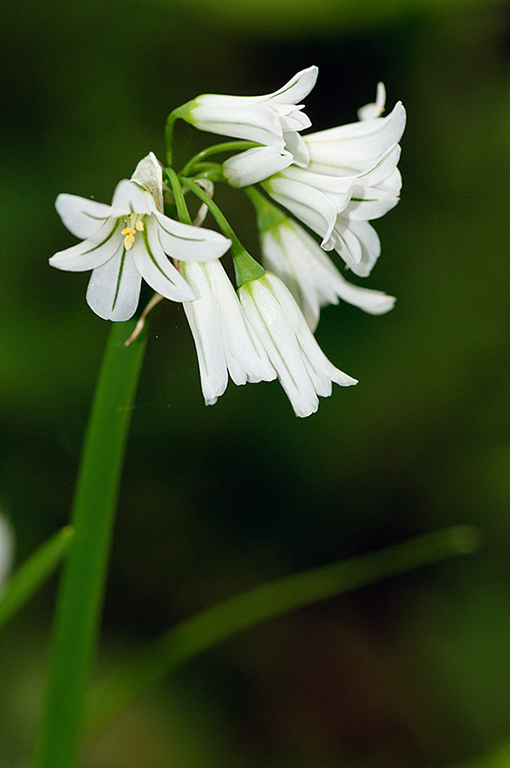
{"type": "Point", "coordinates": [223, 338]}
{"type": "Point", "coordinates": [315, 199]}
{"type": "Point", "coordinates": [292, 254]}
{"type": "Point", "coordinates": [274, 121]}
{"type": "Point", "coordinates": [303, 369]}
{"type": "Point", "coordinates": [6, 550]}
{"type": "Point", "coordinates": [357, 147]}
{"type": "Point", "coordinates": [265, 119]}
{"type": "Point", "coordinates": [129, 240]}
{"type": "Point", "coordinates": [355, 168]}
{"type": "Point", "coordinates": [375, 109]}
{"type": "Point", "coordinates": [255, 164]}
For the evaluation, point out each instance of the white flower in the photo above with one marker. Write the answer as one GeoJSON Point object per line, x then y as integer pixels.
{"type": "Point", "coordinates": [255, 164]}
{"type": "Point", "coordinates": [224, 341]}
{"type": "Point", "coordinates": [273, 121]}
{"type": "Point", "coordinates": [352, 178]}
{"type": "Point", "coordinates": [356, 147]}
{"type": "Point", "coordinates": [303, 369]}
{"type": "Point", "coordinates": [6, 549]}
{"type": "Point", "coordinates": [129, 240]}
{"type": "Point", "coordinates": [315, 199]}
{"type": "Point", "coordinates": [292, 254]}
{"type": "Point", "coordinates": [375, 109]}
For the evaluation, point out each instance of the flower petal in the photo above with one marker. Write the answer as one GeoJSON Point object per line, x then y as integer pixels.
{"type": "Point", "coordinates": [255, 165]}
{"type": "Point", "coordinates": [203, 319]}
{"type": "Point", "coordinates": [187, 243]}
{"type": "Point", "coordinates": [317, 361]}
{"type": "Point", "coordinates": [337, 188]}
{"type": "Point", "coordinates": [82, 217]}
{"type": "Point", "coordinates": [295, 143]}
{"type": "Point", "coordinates": [296, 89]}
{"type": "Point", "coordinates": [238, 117]}
{"type": "Point", "coordinates": [279, 341]}
{"type": "Point", "coordinates": [368, 244]}
{"type": "Point", "coordinates": [149, 175]}
{"type": "Point", "coordinates": [129, 197]}
{"type": "Point", "coordinates": [90, 253]}
{"type": "Point", "coordinates": [310, 205]}
{"type": "Point", "coordinates": [374, 110]}
{"type": "Point", "coordinates": [354, 148]}
{"type": "Point", "coordinates": [222, 335]}
{"type": "Point", "coordinates": [156, 268]}
{"type": "Point", "coordinates": [114, 288]}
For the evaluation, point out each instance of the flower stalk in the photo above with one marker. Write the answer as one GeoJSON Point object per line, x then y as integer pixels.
{"type": "Point", "coordinates": [80, 597]}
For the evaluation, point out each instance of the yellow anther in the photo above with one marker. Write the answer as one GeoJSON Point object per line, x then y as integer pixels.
{"type": "Point", "coordinates": [130, 232]}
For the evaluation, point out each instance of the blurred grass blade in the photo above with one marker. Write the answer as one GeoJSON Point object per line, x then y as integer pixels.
{"type": "Point", "coordinates": [32, 573]}
{"type": "Point", "coordinates": [201, 632]}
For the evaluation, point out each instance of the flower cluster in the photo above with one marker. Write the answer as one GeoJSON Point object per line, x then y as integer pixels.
{"type": "Point", "coordinates": [334, 182]}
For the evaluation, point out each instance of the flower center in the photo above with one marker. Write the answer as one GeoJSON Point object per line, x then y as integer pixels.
{"type": "Point", "coordinates": [134, 224]}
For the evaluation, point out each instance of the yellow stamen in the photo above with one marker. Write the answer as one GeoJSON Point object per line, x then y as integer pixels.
{"type": "Point", "coordinates": [130, 232]}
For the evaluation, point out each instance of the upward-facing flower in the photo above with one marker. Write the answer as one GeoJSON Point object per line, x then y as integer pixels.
{"type": "Point", "coordinates": [274, 121]}
{"type": "Point", "coordinates": [129, 240]}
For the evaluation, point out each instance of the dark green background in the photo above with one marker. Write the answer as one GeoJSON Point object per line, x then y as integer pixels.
{"type": "Point", "coordinates": [412, 672]}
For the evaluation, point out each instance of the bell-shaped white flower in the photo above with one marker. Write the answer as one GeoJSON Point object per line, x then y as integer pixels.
{"type": "Point", "coordinates": [255, 164]}
{"type": "Point", "coordinates": [314, 281]}
{"type": "Point", "coordinates": [315, 199]}
{"type": "Point", "coordinates": [351, 179]}
{"type": "Point", "coordinates": [274, 121]}
{"type": "Point", "coordinates": [264, 119]}
{"type": "Point", "coordinates": [302, 367]}
{"type": "Point", "coordinates": [224, 340]}
{"type": "Point", "coordinates": [129, 240]}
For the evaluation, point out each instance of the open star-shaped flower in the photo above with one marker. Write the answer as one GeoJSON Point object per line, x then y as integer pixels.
{"type": "Point", "coordinates": [129, 240]}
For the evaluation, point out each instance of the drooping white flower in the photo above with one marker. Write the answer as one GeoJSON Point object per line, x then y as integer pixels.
{"type": "Point", "coordinates": [6, 549]}
{"type": "Point", "coordinates": [273, 120]}
{"type": "Point", "coordinates": [314, 281]}
{"type": "Point", "coordinates": [255, 164]}
{"type": "Point", "coordinates": [315, 199]}
{"type": "Point", "coordinates": [129, 240]}
{"type": "Point", "coordinates": [224, 340]}
{"type": "Point", "coordinates": [303, 369]}
{"type": "Point", "coordinates": [351, 179]}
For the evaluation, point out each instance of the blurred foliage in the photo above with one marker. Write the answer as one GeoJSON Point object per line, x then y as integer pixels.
{"type": "Point", "coordinates": [413, 672]}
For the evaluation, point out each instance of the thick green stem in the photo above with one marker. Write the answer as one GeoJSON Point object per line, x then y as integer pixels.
{"type": "Point", "coordinates": [80, 596]}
